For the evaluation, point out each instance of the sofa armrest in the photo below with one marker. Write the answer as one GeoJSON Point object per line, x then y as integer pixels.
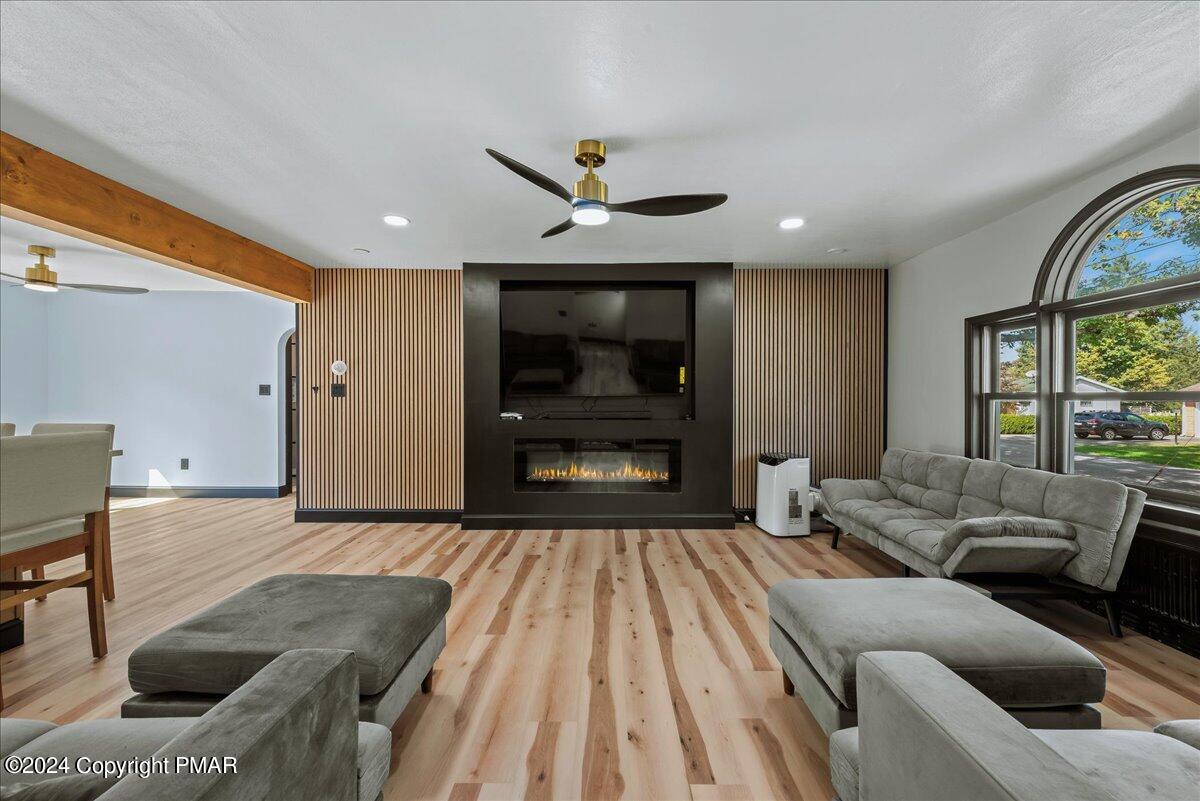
{"type": "Point", "coordinates": [988, 527]}
{"type": "Point", "coordinates": [925, 733]}
{"type": "Point", "coordinates": [293, 729]}
{"type": "Point", "coordinates": [836, 490]}
{"type": "Point", "coordinates": [1185, 731]}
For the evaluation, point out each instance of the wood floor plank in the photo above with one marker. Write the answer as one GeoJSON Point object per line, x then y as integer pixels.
{"type": "Point", "coordinates": [625, 664]}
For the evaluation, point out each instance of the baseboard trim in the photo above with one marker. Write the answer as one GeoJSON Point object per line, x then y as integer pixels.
{"type": "Point", "coordinates": [378, 515]}
{"type": "Point", "coordinates": [198, 492]}
{"type": "Point", "coordinates": [535, 522]}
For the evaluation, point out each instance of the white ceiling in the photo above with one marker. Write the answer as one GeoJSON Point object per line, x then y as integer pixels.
{"type": "Point", "coordinates": [80, 262]}
{"type": "Point", "coordinates": [891, 127]}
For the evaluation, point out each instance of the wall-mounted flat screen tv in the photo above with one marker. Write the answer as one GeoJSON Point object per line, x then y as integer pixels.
{"type": "Point", "coordinates": [596, 350]}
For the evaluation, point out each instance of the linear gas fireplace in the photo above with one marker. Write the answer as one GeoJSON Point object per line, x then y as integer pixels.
{"type": "Point", "coordinates": [596, 465]}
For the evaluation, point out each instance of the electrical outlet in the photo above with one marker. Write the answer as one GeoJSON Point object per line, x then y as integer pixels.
{"type": "Point", "coordinates": [183, 463]}
{"type": "Point", "coordinates": [264, 389]}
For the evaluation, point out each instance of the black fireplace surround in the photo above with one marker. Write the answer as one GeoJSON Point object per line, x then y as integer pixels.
{"type": "Point", "coordinates": [609, 469]}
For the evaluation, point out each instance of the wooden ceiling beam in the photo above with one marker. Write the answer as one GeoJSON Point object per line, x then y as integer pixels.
{"type": "Point", "coordinates": [41, 188]}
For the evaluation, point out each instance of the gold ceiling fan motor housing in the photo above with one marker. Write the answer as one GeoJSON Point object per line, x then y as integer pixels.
{"type": "Point", "coordinates": [41, 273]}
{"type": "Point", "coordinates": [590, 153]}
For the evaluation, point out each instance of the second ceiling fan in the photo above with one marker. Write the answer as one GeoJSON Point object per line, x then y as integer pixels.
{"type": "Point", "coordinates": [589, 201]}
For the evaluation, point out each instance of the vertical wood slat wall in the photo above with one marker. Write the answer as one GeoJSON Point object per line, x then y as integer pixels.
{"type": "Point", "coordinates": [809, 373]}
{"type": "Point", "coordinates": [396, 440]}
{"type": "Point", "coordinates": [809, 349]}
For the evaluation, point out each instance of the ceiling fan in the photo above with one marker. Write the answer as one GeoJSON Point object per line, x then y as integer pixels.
{"type": "Point", "coordinates": [41, 278]}
{"type": "Point", "coordinates": [589, 200]}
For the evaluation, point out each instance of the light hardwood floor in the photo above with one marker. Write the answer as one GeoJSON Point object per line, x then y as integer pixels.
{"type": "Point", "coordinates": [580, 664]}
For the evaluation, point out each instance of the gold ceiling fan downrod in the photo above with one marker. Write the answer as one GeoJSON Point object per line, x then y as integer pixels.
{"type": "Point", "coordinates": [590, 153]}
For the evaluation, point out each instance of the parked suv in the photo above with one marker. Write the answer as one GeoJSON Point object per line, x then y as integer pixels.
{"type": "Point", "coordinates": [1111, 425]}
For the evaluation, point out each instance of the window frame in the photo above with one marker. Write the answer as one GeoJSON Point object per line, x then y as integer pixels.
{"type": "Point", "coordinates": [1053, 312]}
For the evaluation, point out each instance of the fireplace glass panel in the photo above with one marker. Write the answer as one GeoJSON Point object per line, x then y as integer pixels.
{"type": "Point", "coordinates": [596, 465]}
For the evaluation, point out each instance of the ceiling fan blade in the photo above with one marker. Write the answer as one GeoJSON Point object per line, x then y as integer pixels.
{"type": "Point", "coordinates": [112, 290]}
{"type": "Point", "coordinates": [13, 277]}
{"type": "Point", "coordinates": [532, 175]}
{"type": "Point", "coordinates": [565, 225]}
{"type": "Point", "coordinates": [669, 205]}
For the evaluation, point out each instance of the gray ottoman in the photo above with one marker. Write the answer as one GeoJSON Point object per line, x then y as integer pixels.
{"type": "Point", "coordinates": [395, 625]}
{"type": "Point", "coordinates": [819, 627]}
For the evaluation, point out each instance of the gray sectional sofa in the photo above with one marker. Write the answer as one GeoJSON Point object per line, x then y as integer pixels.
{"type": "Point", "coordinates": [946, 516]}
{"type": "Point", "coordinates": [291, 729]}
{"type": "Point", "coordinates": [926, 733]}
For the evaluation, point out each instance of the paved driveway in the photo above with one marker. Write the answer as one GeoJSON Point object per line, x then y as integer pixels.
{"type": "Point", "coordinates": [1019, 449]}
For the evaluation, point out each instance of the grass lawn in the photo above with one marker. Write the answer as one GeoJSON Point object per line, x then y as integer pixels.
{"type": "Point", "coordinates": [1174, 455]}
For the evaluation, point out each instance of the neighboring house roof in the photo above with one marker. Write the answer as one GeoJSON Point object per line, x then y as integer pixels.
{"type": "Point", "coordinates": [1192, 388]}
{"type": "Point", "coordinates": [1082, 379]}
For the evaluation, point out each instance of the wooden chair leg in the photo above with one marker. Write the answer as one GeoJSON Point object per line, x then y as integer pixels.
{"type": "Point", "coordinates": [837, 532]}
{"type": "Point", "coordinates": [93, 560]}
{"type": "Point", "coordinates": [110, 588]}
{"type": "Point", "coordinates": [788, 687]}
{"type": "Point", "coordinates": [907, 571]}
{"type": "Point", "coordinates": [427, 682]}
{"type": "Point", "coordinates": [39, 573]}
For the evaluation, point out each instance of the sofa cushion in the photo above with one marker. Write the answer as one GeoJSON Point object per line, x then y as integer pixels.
{"type": "Point", "coordinates": [877, 514]}
{"type": "Point", "coordinates": [98, 740]}
{"type": "Point", "coordinates": [382, 619]}
{"type": "Point", "coordinates": [1131, 764]}
{"type": "Point", "coordinates": [923, 536]}
{"type": "Point", "coordinates": [931, 481]}
{"type": "Point", "coordinates": [16, 732]}
{"type": "Point", "coordinates": [1010, 658]}
{"type": "Point", "coordinates": [843, 763]}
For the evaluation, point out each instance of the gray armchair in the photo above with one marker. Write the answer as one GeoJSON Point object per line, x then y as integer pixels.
{"type": "Point", "coordinates": [292, 730]}
{"type": "Point", "coordinates": [925, 733]}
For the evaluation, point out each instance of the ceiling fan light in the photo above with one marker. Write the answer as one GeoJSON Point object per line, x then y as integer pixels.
{"type": "Point", "coordinates": [791, 223]}
{"type": "Point", "coordinates": [40, 287]}
{"type": "Point", "coordinates": [589, 214]}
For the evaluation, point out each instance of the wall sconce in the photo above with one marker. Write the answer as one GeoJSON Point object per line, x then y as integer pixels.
{"type": "Point", "coordinates": [339, 368]}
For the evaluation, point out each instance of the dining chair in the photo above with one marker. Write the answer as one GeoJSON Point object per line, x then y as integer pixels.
{"type": "Point", "coordinates": [8, 429]}
{"type": "Point", "coordinates": [110, 587]}
{"type": "Point", "coordinates": [51, 494]}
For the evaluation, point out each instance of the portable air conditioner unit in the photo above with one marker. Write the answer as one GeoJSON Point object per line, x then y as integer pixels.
{"type": "Point", "coordinates": [783, 503]}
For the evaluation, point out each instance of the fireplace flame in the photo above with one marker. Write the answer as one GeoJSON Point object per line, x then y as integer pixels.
{"type": "Point", "coordinates": [576, 472]}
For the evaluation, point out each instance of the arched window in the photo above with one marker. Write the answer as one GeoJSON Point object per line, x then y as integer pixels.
{"type": "Point", "coordinates": [1156, 240]}
{"type": "Point", "coordinates": [1100, 374]}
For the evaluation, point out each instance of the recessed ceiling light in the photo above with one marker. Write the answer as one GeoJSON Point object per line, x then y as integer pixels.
{"type": "Point", "coordinates": [836, 250]}
{"type": "Point", "coordinates": [791, 223]}
{"type": "Point", "coordinates": [396, 220]}
{"type": "Point", "coordinates": [360, 250]}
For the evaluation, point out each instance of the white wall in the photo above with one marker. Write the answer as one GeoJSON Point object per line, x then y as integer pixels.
{"type": "Point", "coordinates": [991, 268]}
{"type": "Point", "coordinates": [178, 374]}
{"type": "Point", "coordinates": [23, 330]}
